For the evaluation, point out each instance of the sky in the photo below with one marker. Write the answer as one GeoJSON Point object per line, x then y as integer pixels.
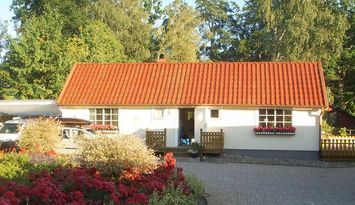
{"type": "Point", "coordinates": [6, 14]}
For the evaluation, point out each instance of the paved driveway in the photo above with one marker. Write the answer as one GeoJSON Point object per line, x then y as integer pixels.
{"type": "Point", "coordinates": [272, 184]}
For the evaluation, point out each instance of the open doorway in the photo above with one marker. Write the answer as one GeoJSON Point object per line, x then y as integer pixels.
{"type": "Point", "coordinates": [187, 125]}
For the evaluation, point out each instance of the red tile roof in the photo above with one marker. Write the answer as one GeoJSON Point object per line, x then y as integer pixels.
{"type": "Point", "coordinates": [276, 84]}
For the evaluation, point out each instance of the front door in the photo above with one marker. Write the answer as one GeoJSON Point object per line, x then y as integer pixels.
{"type": "Point", "coordinates": [187, 125]}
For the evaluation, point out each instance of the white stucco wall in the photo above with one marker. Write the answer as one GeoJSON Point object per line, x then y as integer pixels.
{"type": "Point", "coordinates": [137, 120]}
{"type": "Point", "coordinates": [237, 125]}
{"type": "Point", "coordinates": [82, 113]}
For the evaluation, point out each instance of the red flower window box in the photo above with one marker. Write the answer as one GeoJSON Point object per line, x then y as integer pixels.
{"type": "Point", "coordinates": [261, 130]}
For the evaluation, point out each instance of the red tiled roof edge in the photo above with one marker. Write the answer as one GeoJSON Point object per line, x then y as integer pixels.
{"type": "Point", "coordinates": [67, 82]}
{"type": "Point", "coordinates": [324, 89]}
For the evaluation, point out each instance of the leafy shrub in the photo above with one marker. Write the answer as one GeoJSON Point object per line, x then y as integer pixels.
{"type": "Point", "coordinates": [172, 195]}
{"type": "Point", "coordinates": [113, 155]}
{"type": "Point", "coordinates": [16, 166]}
{"type": "Point", "coordinates": [68, 185]}
{"type": "Point", "coordinates": [196, 186]}
{"type": "Point", "coordinates": [40, 135]}
{"type": "Point", "coordinates": [343, 132]}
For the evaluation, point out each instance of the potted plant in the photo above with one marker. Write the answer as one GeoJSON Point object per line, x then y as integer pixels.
{"type": "Point", "coordinates": [195, 149]}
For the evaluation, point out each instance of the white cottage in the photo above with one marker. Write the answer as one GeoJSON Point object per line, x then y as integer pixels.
{"type": "Point", "coordinates": [257, 104]}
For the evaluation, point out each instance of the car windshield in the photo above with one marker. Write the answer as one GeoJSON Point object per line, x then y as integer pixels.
{"type": "Point", "coordinates": [9, 129]}
{"type": "Point", "coordinates": [68, 133]}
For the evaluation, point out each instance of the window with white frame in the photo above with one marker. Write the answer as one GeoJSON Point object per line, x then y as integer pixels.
{"type": "Point", "coordinates": [104, 116]}
{"type": "Point", "coordinates": [158, 114]}
{"type": "Point", "coordinates": [275, 117]}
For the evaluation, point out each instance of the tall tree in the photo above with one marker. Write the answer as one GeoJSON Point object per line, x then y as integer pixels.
{"type": "Point", "coordinates": [179, 35]}
{"type": "Point", "coordinates": [296, 30]}
{"type": "Point", "coordinates": [128, 19]}
{"type": "Point", "coordinates": [39, 60]}
{"type": "Point", "coordinates": [35, 59]}
{"type": "Point", "coordinates": [75, 13]}
{"type": "Point", "coordinates": [4, 76]}
{"type": "Point", "coordinates": [342, 70]}
{"type": "Point", "coordinates": [3, 37]}
{"type": "Point", "coordinates": [219, 29]}
{"type": "Point", "coordinates": [96, 43]}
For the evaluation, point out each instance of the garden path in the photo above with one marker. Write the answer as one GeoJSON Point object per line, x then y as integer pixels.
{"type": "Point", "coordinates": [233, 183]}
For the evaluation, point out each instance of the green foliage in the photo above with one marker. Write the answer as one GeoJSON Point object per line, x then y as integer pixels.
{"type": "Point", "coordinates": [327, 128]}
{"type": "Point", "coordinates": [297, 30]}
{"type": "Point", "coordinates": [96, 43]}
{"type": "Point", "coordinates": [16, 166]}
{"type": "Point", "coordinates": [179, 37]}
{"type": "Point", "coordinates": [3, 36]}
{"type": "Point", "coordinates": [40, 135]}
{"type": "Point", "coordinates": [73, 14]}
{"type": "Point", "coordinates": [341, 73]}
{"type": "Point", "coordinates": [112, 155]}
{"type": "Point", "coordinates": [34, 61]}
{"type": "Point", "coordinates": [128, 20]}
{"type": "Point", "coordinates": [172, 196]}
{"type": "Point", "coordinates": [196, 186]}
{"type": "Point", "coordinates": [219, 29]}
{"type": "Point", "coordinates": [343, 132]}
{"type": "Point", "coordinates": [195, 148]}
{"type": "Point", "coordinates": [39, 60]}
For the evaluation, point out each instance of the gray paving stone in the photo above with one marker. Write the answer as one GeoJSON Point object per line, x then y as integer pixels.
{"type": "Point", "coordinates": [233, 183]}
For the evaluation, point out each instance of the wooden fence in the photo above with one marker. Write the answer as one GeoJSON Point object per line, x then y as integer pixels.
{"type": "Point", "coordinates": [212, 142]}
{"type": "Point", "coordinates": [351, 132]}
{"type": "Point", "coordinates": [338, 148]}
{"type": "Point", "coordinates": [156, 139]}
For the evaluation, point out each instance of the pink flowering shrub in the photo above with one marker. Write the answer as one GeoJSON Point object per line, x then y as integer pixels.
{"type": "Point", "coordinates": [75, 185]}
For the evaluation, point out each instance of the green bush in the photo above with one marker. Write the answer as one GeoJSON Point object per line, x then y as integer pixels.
{"type": "Point", "coordinates": [197, 187]}
{"type": "Point", "coordinates": [16, 166]}
{"type": "Point", "coordinates": [40, 135]}
{"type": "Point", "coordinates": [112, 155]}
{"type": "Point", "coordinates": [327, 128]}
{"type": "Point", "coordinates": [172, 196]}
{"type": "Point", "coordinates": [343, 132]}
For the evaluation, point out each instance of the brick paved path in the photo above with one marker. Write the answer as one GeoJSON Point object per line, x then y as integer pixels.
{"type": "Point", "coordinates": [233, 183]}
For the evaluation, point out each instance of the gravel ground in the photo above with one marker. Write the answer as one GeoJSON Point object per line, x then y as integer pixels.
{"type": "Point", "coordinates": [235, 183]}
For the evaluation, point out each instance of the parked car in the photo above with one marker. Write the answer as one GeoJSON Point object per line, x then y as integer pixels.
{"type": "Point", "coordinates": [11, 130]}
{"type": "Point", "coordinates": [69, 134]}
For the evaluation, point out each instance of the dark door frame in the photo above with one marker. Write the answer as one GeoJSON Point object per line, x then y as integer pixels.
{"type": "Point", "coordinates": [186, 124]}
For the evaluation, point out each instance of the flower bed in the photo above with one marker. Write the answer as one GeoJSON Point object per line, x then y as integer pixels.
{"type": "Point", "coordinates": [79, 185]}
{"type": "Point", "coordinates": [289, 130]}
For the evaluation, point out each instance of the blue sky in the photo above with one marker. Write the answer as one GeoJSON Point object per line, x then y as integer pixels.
{"type": "Point", "coordinates": [6, 14]}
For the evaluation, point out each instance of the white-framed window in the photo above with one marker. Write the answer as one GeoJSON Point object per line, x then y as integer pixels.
{"type": "Point", "coordinates": [214, 113]}
{"type": "Point", "coordinates": [158, 114]}
{"type": "Point", "coordinates": [104, 116]}
{"type": "Point", "coordinates": [275, 117]}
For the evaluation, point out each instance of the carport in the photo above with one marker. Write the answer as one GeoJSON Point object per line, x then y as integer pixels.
{"type": "Point", "coordinates": [27, 108]}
